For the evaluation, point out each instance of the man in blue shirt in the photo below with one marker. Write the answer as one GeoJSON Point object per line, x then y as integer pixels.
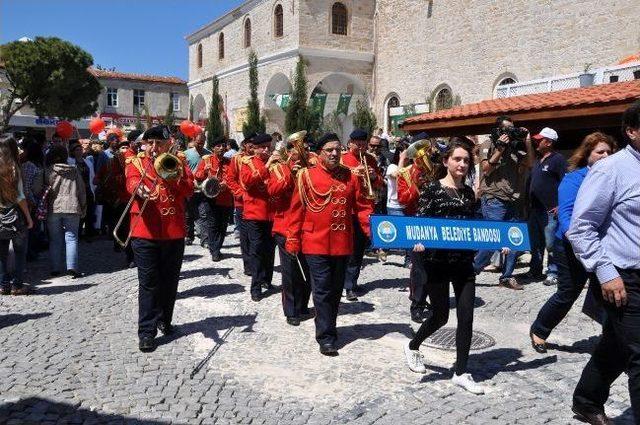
{"type": "Point", "coordinates": [546, 175]}
{"type": "Point", "coordinates": [605, 236]}
{"type": "Point", "coordinates": [194, 156]}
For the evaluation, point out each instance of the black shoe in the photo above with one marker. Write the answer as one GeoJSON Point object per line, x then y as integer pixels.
{"type": "Point", "coordinates": [55, 274]}
{"type": "Point", "coordinates": [539, 348]}
{"type": "Point", "coordinates": [247, 273]}
{"type": "Point", "coordinates": [328, 349]}
{"type": "Point", "coordinates": [147, 344]}
{"type": "Point", "coordinates": [534, 277]}
{"type": "Point", "coordinates": [417, 316]}
{"type": "Point", "coordinates": [166, 329]}
{"type": "Point", "coordinates": [256, 297]}
{"type": "Point", "coordinates": [351, 295]}
{"type": "Point", "coordinates": [267, 286]}
{"type": "Point", "coordinates": [188, 241]}
{"type": "Point", "coordinates": [307, 314]}
{"type": "Point", "coordinates": [216, 257]}
{"type": "Point", "coordinates": [293, 321]}
{"type": "Point", "coordinates": [599, 418]}
{"type": "Point", "coordinates": [76, 274]}
{"type": "Point", "coordinates": [6, 290]}
{"type": "Point", "coordinates": [203, 244]}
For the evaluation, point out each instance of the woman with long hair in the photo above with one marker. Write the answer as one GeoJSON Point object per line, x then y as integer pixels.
{"type": "Point", "coordinates": [449, 197]}
{"type": "Point", "coordinates": [571, 274]}
{"type": "Point", "coordinates": [33, 183]}
{"type": "Point", "coordinates": [13, 202]}
{"type": "Point", "coordinates": [67, 204]}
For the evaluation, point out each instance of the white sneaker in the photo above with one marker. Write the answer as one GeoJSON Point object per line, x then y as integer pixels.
{"type": "Point", "coordinates": [466, 381]}
{"type": "Point", "coordinates": [414, 359]}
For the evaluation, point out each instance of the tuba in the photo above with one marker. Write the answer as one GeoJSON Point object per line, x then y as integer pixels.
{"type": "Point", "coordinates": [211, 187]}
{"type": "Point", "coordinates": [297, 140]}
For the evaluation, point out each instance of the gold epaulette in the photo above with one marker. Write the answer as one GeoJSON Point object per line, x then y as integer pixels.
{"type": "Point", "coordinates": [277, 170]}
{"type": "Point", "coordinates": [247, 160]}
{"type": "Point", "coordinates": [141, 155]}
{"type": "Point", "coordinates": [405, 172]}
{"type": "Point", "coordinates": [204, 158]}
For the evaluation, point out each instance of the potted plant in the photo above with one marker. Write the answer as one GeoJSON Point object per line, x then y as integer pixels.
{"type": "Point", "coordinates": [586, 78]}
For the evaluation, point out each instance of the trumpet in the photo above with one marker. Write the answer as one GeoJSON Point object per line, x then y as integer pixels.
{"type": "Point", "coordinates": [297, 140]}
{"type": "Point", "coordinates": [367, 178]}
{"type": "Point", "coordinates": [168, 167]}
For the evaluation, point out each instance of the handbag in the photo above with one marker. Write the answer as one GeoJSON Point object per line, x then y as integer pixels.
{"type": "Point", "coordinates": [43, 205]}
{"type": "Point", "coordinates": [11, 222]}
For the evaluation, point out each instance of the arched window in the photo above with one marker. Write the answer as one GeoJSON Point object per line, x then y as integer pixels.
{"type": "Point", "coordinates": [221, 46]}
{"type": "Point", "coordinates": [247, 33]}
{"type": "Point", "coordinates": [278, 21]}
{"type": "Point", "coordinates": [339, 19]}
{"type": "Point", "coordinates": [506, 81]}
{"type": "Point", "coordinates": [199, 55]}
{"type": "Point", "coordinates": [393, 102]}
{"type": "Point", "coordinates": [444, 99]}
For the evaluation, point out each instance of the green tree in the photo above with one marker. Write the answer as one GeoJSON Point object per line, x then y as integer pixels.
{"type": "Point", "coordinates": [138, 124]}
{"type": "Point", "coordinates": [364, 118]}
{"type": "Point", "coordinates": [298, 115]}
{"type": "Point", "coordinates": [147, 117]}
{"type": "Point", "coordinates": [50, 75]}
{"type": "Point", "coordinates": [255, 123]}
{"type": "Point", "coordinates": [169, 118]}
{"type": "Point", "coordinates": [214, 123]}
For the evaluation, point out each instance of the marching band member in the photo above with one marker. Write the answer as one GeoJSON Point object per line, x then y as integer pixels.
{"type": "Point", "coordinates": [296, 288]}
{"type": "Point", "coordinates": [194, 157]}
{"type": "Point", "coordinates": [353, 160]}
{"type": "Point", "coordinates": [410, 180]}
{"type": "Point", "coordinates": [157, 231]}
{"type": "Point", "coordinates": [321, 227]}
{"type": "Point", "coordinates": [214, 212]}
{"type": "Point", "coordinates": [257, 215]}
{"type": "Point", "coordinates": [233, 181]}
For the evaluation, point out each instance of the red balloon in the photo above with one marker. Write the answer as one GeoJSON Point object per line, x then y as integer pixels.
{"type": "Point", "coordinates": [186, 127]}
{"type": "Point", "coordinates": [196, 130]}
{"type": "Point", "coordinates": [96, 125]}
{"type": "Point", "coordinates": [64, 129]}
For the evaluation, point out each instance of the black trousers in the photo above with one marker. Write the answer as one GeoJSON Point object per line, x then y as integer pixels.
{"type": "Point", "coordinates": [617, 351]}
{"type": "Point", "coordinates": [244, 243]}
{"type": "Point", "coordinates": [327, 283]}
{"type": "Point", "coordinates": [191, 215]}
{"type": "Point", "coordinates": [418, 282]}
{"type": "Point", "coordinates": [213, 220]}
{"type": "Point", "coordinates": [360, 244]}
{"type": "Point", "coordinates": [295, 290]}
{"type": "Point", "coordinates": [571, 280]}
{"type": "Point", "coordinates": [462, 277]}
{"type": "Point", "coordinates": [159, 264]}
{"type": "Point", "coordinates": [261, 253]}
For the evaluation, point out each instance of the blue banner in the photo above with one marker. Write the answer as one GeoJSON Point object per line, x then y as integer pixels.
{"type": "Point", "coordinates": [390, 231]}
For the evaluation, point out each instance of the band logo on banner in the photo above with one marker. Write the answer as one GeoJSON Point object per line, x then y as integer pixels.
{"type": "Point", "coordinates": [438, 233]}
{"type": "Point", "coordinates": [282, 100]}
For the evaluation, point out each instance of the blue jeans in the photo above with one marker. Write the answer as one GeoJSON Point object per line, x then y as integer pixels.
{"type": "Point", "coordinates": [395, 211]}
{"type": "Point", "coordinates": [542, 229]}
{"type": "Point", "coordinates": [63, 237]}
{"type": "Point", "coordinates": [495, 209]}
{"type": "Point", "coordinates": [20, 251]}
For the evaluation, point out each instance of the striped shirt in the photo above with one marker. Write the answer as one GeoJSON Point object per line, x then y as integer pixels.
{"type": "Point", "coordinates": [605, 230]}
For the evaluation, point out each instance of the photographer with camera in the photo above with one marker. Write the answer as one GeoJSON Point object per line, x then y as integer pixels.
{"type": "Point", "coordinates": [503, 160]}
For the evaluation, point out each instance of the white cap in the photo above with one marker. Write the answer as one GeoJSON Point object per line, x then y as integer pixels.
{"type": "Point", "coordinates": [547, 133]}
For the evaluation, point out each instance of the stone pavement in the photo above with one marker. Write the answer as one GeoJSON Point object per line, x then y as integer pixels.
{"type": "Point", "coordinates": [69, 354]}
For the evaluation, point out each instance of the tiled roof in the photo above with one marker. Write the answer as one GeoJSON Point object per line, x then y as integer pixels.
{"type": "Point", "coordinates": [98, 73]}
{"type": "Point", "coordinates": [598, 95]}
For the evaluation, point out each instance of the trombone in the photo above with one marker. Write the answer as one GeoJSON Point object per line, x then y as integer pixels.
{"type": "Point", "coordinates": [367, 178]}
{"type": "Point", "coordinates": [168, 167]}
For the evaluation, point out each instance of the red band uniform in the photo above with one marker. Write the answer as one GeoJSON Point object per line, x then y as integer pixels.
{"type": "Point", "coordinates": [233, 181]}
{"type": "Point", "coordinates": [157, 237]}
{"type": "Point", "coordinates": [213, 213]}
{"type": "Point", "coordinates": [257, 216]}
{"type": "Point", "coordinates": [328, 195]}
{"type": "Point", "coordinates": [351, 159]}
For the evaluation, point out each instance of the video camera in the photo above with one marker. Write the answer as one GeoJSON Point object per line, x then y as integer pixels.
{"type": "Point", "coordinates": [517, 136]}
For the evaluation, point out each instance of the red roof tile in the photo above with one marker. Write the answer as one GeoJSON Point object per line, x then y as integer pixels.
{"type": "Point", "coordinates": [99, 73]}
{"type": "Point", "coordinates": [597, 95]}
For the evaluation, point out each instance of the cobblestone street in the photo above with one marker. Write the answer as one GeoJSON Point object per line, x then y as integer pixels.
{"type": "Point", "coordinates": [69, 354]}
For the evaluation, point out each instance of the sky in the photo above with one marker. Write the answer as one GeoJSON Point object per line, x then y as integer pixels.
{"type": "Point", "coordinates": [139, 36]}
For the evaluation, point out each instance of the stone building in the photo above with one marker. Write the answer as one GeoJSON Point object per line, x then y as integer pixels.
{"type": "Point", "coordinates": [422, 53]}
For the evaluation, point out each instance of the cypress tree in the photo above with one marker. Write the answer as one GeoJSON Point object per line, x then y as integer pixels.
{"type": "Point", "coordinates": [214, 124]}
{"type": "Point", "coordinates": [255, 123]}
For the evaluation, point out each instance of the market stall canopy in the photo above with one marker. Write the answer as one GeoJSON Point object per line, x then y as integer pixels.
{"type": "Point", "coordinates": [572, 109]}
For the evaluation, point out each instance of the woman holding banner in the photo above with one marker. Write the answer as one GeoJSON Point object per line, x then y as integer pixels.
{"type": "Point", "coordinates": [449, 197]}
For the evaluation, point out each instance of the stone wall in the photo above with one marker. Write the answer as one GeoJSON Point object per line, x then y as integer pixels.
{"type": "Point", "coordinates": [468, 45]}
{"type": "Point", "coordinates": [156, 97]}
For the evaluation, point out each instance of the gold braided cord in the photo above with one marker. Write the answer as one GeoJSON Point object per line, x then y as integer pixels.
{"type": "Point", "coordinates": [313, 200]}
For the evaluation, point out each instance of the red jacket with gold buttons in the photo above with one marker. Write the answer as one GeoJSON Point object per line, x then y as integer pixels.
{"type": "Point", "coordinates": [216, 167]}
{"type": "Point", "coordinates": [233, 179]}
{"type": "Point", "coordinates": [254, 177]}
{"type": "Point", "coordinates": [322, 210]}
{"type": "Point", "coordinates": [352, 160]}
{"type": "Point", "coordinates": [163, 217]}
{"type": "Point", "coordinates": [408, 192]}
{"type": "Point", "coordinates": [280, 187]}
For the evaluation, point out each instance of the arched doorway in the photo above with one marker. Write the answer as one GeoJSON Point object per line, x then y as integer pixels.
{"type": "Point", "coordinates": [200, 111]}
{"type": "Point", "coordinates": [393, 101]}
{"type": "Point", "coordinates": [276, 98]}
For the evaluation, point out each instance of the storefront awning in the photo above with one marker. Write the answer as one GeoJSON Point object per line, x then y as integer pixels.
{"type": "Point", "coordinates": [572, 109]}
